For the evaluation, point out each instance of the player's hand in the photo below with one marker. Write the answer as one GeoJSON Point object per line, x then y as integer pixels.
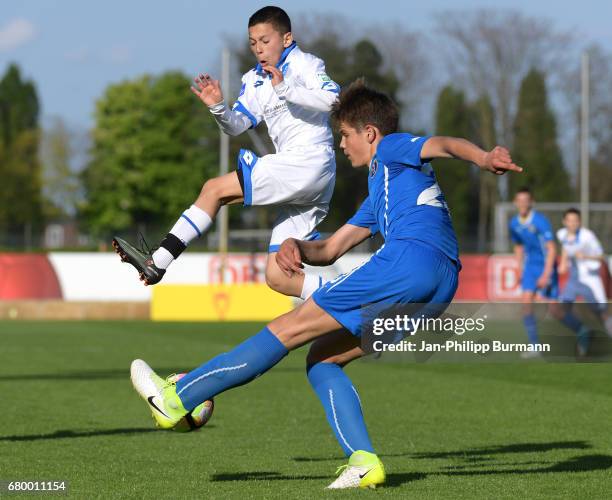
{"type": "Point", "coordinates": [277, 74]}
{"type": "Point", "coordinates": [289, 258]}
{"type": "Point", "coordinates": [542, 281]}
{"type": "Point", "coordinates": [207, 89]}
{"type": "Point", "coordinates": [499, 161]}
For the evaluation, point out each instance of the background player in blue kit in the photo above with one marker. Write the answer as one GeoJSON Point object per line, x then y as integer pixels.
{"type": "Point", "coordinates": [418, 263]}
{"type": "Point", "coordinates": [534, 248]}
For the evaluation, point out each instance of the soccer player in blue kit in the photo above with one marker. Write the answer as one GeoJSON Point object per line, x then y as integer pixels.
{"type": "Point", "coordinates": [535, 251]}
{"type": "Point", "coordinates": [418, 263]}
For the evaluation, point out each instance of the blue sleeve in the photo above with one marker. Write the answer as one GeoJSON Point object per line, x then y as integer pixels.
{"type": "Point", "coordinates": [545, 228]}
{"type": "Point", "coordinates": [402, 149]}
{"type": "Point", "coordinates": [364, 217]}
{"type": "Point", "coordinates": [514, 235]}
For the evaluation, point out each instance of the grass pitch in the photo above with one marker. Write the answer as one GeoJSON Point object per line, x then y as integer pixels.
{"type": "Point", "coordinates": [525, 430]}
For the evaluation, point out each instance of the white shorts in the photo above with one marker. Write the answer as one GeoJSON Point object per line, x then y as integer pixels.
{"type": "Point", "coordinates": [300, 181]}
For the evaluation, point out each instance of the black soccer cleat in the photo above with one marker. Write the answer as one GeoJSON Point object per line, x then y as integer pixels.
{"type": "Point", "coordinates": [142, 260]}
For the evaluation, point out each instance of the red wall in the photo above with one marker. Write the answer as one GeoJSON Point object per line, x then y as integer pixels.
{"type": "Point", "coordinates": [27, 277]}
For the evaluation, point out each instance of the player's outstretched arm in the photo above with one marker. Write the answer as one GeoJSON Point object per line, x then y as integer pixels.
{"type": "Point", "coordinates": [209, 92]}
{"type": "Point", "coordinates": [293, 254]}
{"type": "Point", "coordinates": [498, 160]}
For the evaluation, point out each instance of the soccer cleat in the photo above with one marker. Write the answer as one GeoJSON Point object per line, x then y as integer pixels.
{"type": "Point", "coordinates": [608, 325]}
{"type": "Point", "coordinates": [160, 394]}
{"type": "Point", "coordinates": [531, 355]}
{"type": "Point", "coordinates": [583, 341]}
{"type": "Point", "coordinates": [142, 260]}
{"type": "Point", "coordinates": [364, 470]}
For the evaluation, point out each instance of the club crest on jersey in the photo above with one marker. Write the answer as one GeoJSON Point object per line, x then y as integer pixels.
{"type": "Point", "coordinates": [373, 167]}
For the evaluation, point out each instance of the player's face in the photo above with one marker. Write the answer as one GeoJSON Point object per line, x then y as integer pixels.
{"type": "Point", "coordinates": [571, 222]}
{"type": "Point", "coordinates": [355, 145]}
{"type": "Point", "coordinates": [523, 202]}
{"type": "Point", "coordinates": [267, 44]}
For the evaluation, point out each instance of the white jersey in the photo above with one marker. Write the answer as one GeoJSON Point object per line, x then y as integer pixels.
{"type": "Point", "coordinates": [584, 242]}
{"type": "Point", "coordinates": [296, 111]}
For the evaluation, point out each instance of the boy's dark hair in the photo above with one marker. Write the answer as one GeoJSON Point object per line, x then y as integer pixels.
{"type": "Point", "coordinates": [360, 105]}
{"type": "Point", "coordinates": [276, 16]}
{"type": "Point", "coordinates": [571, 211]}
{"type": "Point", "coordinates": [526, 190]}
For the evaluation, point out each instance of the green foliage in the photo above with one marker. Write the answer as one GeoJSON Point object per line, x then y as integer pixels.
{"type": "Point", "coordinates": [60, 184]}
{"type": "Point", "coordinates": [535, 143]}
{"type": "Point", "coordinates": [20, 189]}
{"type": "Point", "coordinates": [154, 145]}
{"type": "Point", "coordinates": [456, 180]}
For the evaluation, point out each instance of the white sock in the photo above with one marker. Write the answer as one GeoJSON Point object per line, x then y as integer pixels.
{"type": "Point", "coordinates": [311, 283]}
{"type": "Point", "coordinates": [162, 258]}
{"type": "Point", "coordinates": [192, 224]}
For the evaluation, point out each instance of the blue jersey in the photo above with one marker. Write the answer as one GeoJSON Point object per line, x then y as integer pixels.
{"type": "Point", "coordinates": [532, 233]}
{"type": "Point", "coordinates": [404, 200]}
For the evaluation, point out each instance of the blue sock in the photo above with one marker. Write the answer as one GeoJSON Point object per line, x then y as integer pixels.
{"type": "Point", "coordinates": [242, 364]}
{"type": "Point", "coordinates": [342, 406]}
{"type": "Point", "coordinates": [571, 322]}
{"type": "Point", "coordinates": [529, 320]}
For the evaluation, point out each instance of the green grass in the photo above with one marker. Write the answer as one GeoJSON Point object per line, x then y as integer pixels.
{"type": "Point", "coordinates": [536, 430]}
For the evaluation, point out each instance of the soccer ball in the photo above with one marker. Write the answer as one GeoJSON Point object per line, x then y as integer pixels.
{"type": "Point", "coordinates": [196, 418]}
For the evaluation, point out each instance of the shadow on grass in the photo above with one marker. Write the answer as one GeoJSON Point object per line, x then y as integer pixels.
{"type": "Point", "coordinates": [67, 434]}
{"type": "Point", "coordinates": [583, 463]}
{"type": "Point", "coordinates": [107, 374]}
{"type": "Point", "coordinates": [474, 454]}
{"type": "Point", "coordinates": [82, 375]}
{"type": "Point", "coordinates": [508, 448]}
{"type": "Point", "coordinates": [262, 476]}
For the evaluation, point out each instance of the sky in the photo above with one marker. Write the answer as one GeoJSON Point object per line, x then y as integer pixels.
{"type": "Point", "coordinates": [73, 49]}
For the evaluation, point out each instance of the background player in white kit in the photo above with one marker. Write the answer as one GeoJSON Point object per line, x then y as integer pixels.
{"type": "Point", "coordinates": [291, 92]}
{"type": "Point", "coordinates": [582, 256]}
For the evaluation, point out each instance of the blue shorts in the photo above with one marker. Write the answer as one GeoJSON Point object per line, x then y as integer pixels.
{"type": "Point", "coordinates": [400, 272]}
{"type": "Point", "coordinates": [531, 273]}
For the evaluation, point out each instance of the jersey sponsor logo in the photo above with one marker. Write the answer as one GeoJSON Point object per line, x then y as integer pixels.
{"type": "Point", "coordinates": [373, 167]}
{"type": "Point", "coordinates": [277, 109]}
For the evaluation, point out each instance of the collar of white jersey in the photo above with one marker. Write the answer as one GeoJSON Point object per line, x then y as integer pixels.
{"type": "Point", "coordinates": [280, 62]}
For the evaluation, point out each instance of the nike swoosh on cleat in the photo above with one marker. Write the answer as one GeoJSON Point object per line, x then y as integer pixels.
{"type": "Point", "coordinates": [361, 476]}
{"type": "Point", "coordinates": [150, 401]}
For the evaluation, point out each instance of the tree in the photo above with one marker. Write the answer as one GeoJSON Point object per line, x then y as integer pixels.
{"type": "Point", "coordinates": [153, 147]}
{"type": "Point", "coordinates": [61, 184]}
{"type": "Point", "coordinates": [483, 129]}
{"type": "Point", "coordinates": [489, 52]}
{"type": "Point", "coordinates": [20, 190]}
{"type": "Point", "coordinates": [456, 182]}
{"type": "Point", "coordinates": [535, 143]}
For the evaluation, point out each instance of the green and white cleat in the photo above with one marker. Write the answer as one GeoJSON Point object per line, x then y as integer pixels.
{"type": "Point", "coordinates": [364, 470]}
{"type": "Point", "coordinates": [160, 395]}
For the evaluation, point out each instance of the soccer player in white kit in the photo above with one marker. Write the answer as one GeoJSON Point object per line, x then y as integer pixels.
{"type": "Point", "coordinates": [290, 91]}
{"type": "Point", "coordinates": [582, 256]}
